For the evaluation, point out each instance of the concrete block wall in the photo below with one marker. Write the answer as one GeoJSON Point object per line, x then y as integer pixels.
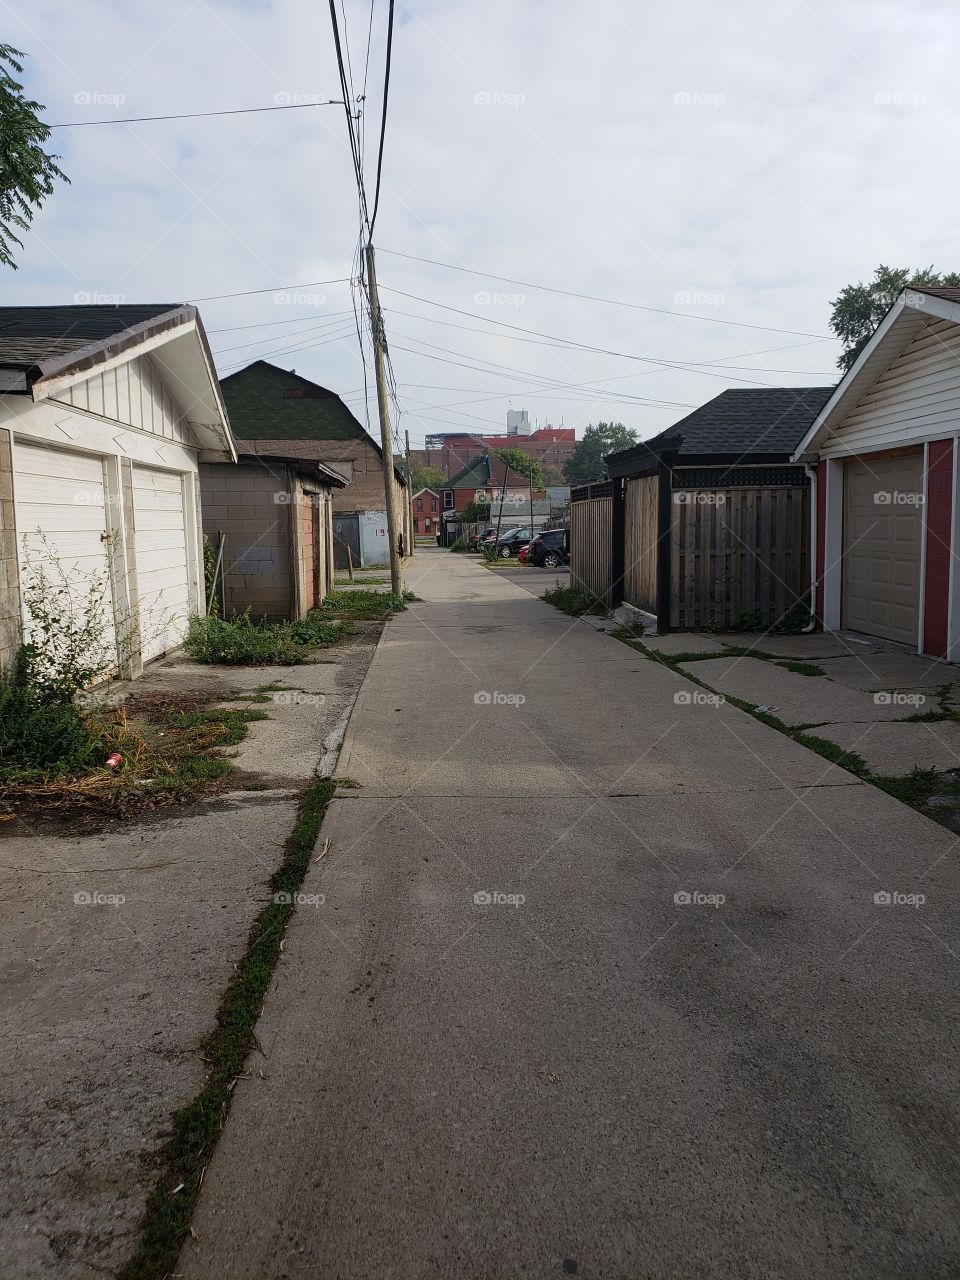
{"type": "Point", "coordinates": [11, 625]}
{"type": "Point", "coordinates": [252, 504]}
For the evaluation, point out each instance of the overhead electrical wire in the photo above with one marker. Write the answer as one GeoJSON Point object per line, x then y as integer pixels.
{"type": "Point", "coordinates": [195, 115]}
{"type": "Point", "coordinates": [383, 116]}
{"type": "Point", "coordinates": [277, 288]}
{"type": "Point", "coordinates": [612, 302]}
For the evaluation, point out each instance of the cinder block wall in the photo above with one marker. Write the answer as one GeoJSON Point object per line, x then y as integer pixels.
{"type": "Point", "coordinates": [251, 503]}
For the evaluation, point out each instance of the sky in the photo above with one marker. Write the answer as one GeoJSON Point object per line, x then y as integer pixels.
{"type": "Point", "coordinates": [725, 169]}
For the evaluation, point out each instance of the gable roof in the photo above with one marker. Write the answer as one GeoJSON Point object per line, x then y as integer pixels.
{"type": "Point", "coordinates": [911, 312]}
{"type": "Point", "coordinates": [749, 423]}
{"type": "Point", "coordinates": [484, 471]}
{"type": "Point", "coordinates": [267, 403]}
{"type": "Point", "coordinates": [433, 493]}
{"type": "Point", "coordinates": [45, 350]}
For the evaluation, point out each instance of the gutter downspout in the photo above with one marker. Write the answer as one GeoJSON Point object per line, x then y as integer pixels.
{"type": "Point", "coordinates": [811, 471]}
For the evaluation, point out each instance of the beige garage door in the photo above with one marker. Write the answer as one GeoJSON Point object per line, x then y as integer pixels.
{"type": "Point", "coordinates": [882, 526]}
{"type": "Point", "coordinates": [162, 574]}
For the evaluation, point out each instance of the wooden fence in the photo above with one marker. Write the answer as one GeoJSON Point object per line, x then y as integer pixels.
{"type": "Point", "coordinates": [739, 557]}
{"type": "Point", "coordinates": [591, 543]}
{"type": "Point", "coordinates": [640, 543]}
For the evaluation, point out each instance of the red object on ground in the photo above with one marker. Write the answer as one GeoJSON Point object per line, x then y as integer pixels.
{"type": "Point", "coordinates": [114, 760]}
{"type": "Point", "coordinates": [522, 554]}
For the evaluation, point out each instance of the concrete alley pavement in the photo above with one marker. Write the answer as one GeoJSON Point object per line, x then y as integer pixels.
{"type": "Point", "coordinates": [599, 987]}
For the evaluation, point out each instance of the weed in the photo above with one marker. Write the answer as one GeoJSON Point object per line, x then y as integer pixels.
{"type": "Point", "coordinates": [197, 1126]}
{"type": "Point", "coordinates": [574, 600]}
{"type": "Point", "coordinates": [362, 606]}
{"type": "Point", "coordinates": [246, 641]}
{"type": "Point", "coordinates": [801, 668]}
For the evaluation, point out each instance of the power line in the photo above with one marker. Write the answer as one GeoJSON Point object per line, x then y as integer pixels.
{"type": "Point", "coordinates": [612, 302]}
{"type": "Point", "coordinates": [269, 324]}
{"type": "Point", "coordinates": [351, 131]}
{"type": "Point", "coordinates": [581, 346]}
{"type": "Point", "coordinates": [383, 116]}
{"type": "Point", "coordinates": [311, 330]}
{"type": "Point", "coordinates": [195, 115]}
{"type": "Point", "coordinates": [277, 288]}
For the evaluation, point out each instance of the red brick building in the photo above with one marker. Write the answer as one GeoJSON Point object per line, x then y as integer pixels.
{"type": "Point", "coordinates": [427, 512]}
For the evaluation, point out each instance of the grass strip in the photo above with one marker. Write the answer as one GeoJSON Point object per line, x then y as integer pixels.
{"type": "Point", "coordinates": [197, 1126]}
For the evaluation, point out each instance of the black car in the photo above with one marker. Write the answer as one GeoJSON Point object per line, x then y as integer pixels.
{"type": "Point", "coordinates": [549, 549]}
{"type": "Point", "coordinates": [512, 541]}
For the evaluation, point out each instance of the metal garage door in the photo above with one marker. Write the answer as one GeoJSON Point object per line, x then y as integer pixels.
{"type": "Point", "coordinates": [62, 534]}
{"type": "Point", "coordinates": [163, 587]}
{"type": "Point", "coordinates": [882, 527]}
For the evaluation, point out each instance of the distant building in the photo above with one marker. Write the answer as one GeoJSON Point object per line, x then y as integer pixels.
{"type": "Point", "coordinates": [518, 422]}
{"type": "Point", "coordinates": [454, 450]}
{"type": "Point", "coordinates": [427, 510]}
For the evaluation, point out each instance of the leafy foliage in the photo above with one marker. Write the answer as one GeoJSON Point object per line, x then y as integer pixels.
{"type": "Point", "coordinates": [574, 601]}
{"type": "Point", "coordinates": [859, 308]}
{"type": "Point", "coordinates": [586, 463]}
{"type": "Point", "coordinates": [43, 733]}
{"type": "Point", "coordinates": [27, 172]}
{"type": "Point", "coordinates": [246, 641]}
{"type": "Point", "coordinates": [521, 463]}
{"type": "Point", "coordinates": [475, 513]}
{"type": "Point", "coordinates": [423, 476]}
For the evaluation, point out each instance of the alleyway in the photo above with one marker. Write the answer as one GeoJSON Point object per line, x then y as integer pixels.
{"type": "Point", "coordinates": [598, 987]}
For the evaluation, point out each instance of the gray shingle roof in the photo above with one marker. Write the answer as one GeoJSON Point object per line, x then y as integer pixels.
{"type": "Point", "coordinates": [752, 420]}
{"type": "Point", "coordinates": [31, 334]}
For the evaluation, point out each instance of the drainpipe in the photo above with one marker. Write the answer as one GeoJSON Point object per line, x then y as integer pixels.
{"type": "Point", "coordinates": [811, 471]}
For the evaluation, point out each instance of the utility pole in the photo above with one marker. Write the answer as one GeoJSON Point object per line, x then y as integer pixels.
{"type": "Point", "coordinates": [410, 525]}
{"type": "Point", "coordinates": [386, 439]}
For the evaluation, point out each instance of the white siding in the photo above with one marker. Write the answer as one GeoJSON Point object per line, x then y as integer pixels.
{"type": "Point", "coordinates": [163, 572]}
{"type": "Point", "coordinates": [134, 394]}
{"type": "Point", "coordinates": [917, 398]}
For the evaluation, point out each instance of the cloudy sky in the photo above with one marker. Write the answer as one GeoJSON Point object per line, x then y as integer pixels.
{"type": "Point", "coordinates": [728, 166]}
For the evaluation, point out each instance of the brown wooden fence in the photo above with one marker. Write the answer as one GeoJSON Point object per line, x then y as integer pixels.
{"type": "Point", "coordinates": [591, 544]}
{"type": "Point", "coordinates": [640, 543]}
{"type": "Point", "coordinates": [738, 556]}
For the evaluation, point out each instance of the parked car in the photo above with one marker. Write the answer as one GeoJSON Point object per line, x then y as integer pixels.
{"type": "Point", "coordinates": [522, 554]}
{"type": "Point", "coordinates": [549, 549]}
{"type": "Point", "coordinates": [511, 542]}
{"type": "Point", "coordinates": [482, 536]}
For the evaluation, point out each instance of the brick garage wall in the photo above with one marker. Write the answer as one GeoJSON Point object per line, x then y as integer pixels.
{"type": "Point", "coordinates": [251, 503]}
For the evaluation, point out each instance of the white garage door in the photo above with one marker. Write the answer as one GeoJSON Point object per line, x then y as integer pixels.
{"type": "Point", "coordinates": [882, 527]}
{"type": "Point", "coordinates": [61, 529]}
{"type": "Point", "coordinates": [162, 576]}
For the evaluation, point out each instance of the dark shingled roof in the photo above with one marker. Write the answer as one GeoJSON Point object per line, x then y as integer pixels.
{"type": "Point", "coordinates": [31, 334]}
{"type": "Point", "coordinates": [950, 292]}
{"type": "Point", "coordinates": [268, 403]}
{"type": "Point", "coordinates": [749, 421]}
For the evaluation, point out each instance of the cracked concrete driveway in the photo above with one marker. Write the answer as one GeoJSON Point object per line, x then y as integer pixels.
{"type": "Point", "coordinates": [606, 983]}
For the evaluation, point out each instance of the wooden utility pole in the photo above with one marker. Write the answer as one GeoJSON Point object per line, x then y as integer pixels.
{"type": "Point", "coordinates": [386, 439]}
{"type": "Point", "coordinates": [410, 525]}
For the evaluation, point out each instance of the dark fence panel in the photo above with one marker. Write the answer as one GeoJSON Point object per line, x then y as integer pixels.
{"type": "Point", "coordinates": [591, 533]}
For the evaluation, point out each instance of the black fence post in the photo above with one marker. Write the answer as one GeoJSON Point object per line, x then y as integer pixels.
{"type": "Point", "coordinates": [618, 550]}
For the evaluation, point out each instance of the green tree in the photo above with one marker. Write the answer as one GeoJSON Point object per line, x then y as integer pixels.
{"type": "Point", "coordinates": [521, 463]}
{"type": "Point", "coordinates": [859, 308]}
{"type": "Point", "coordinates": [426, 477]}
{"type": "Point", "coordinates": [475, 513]}
{"type": "Point", "coordinates": [586, 463]}
{"type": "Point", "coordinates": [27, 173]}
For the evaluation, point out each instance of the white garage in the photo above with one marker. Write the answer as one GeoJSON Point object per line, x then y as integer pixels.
{"type": "Point", "coordinates": [104, 415]}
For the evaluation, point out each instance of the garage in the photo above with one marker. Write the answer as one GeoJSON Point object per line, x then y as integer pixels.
{"type": "Point", "coordinates": [882, 534]}
{"type": "Point", "coordinates": [163, 576]}
{"type": "Point", "coordinates": [62, 520]}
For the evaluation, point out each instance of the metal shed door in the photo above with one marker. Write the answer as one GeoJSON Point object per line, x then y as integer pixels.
{"type": "Point", "coordinates": [162, 575]}
{"type": "Point", "coordinates": [882, 527]}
